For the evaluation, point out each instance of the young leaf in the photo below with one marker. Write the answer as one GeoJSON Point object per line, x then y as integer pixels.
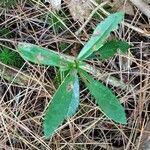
{"type": "Point", "coordinates": [106, 100]}
{"type": "Point", "coordinates": [110, 48]}
{"type": "Point", "coordinates": [100, 34]}
{"type": "Point", "coordinates": [64, 103]}
{"type": "Point", "coordinates": [41, 56]}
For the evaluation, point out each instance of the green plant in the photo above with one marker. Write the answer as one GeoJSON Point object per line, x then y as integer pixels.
{"type": "Point", "coordinates": [66, 99]}
{"type": "Point", "coordinates": [8, 3]}
{"type": "Point", "coordinates": [10, 57]}
{"type": "Point", "coordinates": [5, 32]}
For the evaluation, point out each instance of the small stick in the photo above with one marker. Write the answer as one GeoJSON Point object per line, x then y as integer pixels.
{"type": "Point", "coordinates": [90, 16]}
{"type": "Point", "coordinates": [143, 7]}
{"type": "Point", "coordinates": [144, 33]}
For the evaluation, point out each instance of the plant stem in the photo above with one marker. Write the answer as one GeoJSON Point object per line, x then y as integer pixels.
{"type": "Point", "coordinates": [106, 78]}
{"type": "Point", "coordinates": [11, 74]}
{"type": "Point", "coordinates": [22, 79]}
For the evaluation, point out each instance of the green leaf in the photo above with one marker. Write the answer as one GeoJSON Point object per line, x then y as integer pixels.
{"type": "Point", "coordinates": [106, 100]}
{"type": "Point", "coordinates": [100, 34]}
{"type": "Point", "coordinates": [64, 104]}
{"type": "Point", "coordinates": [110, 48]}
{"type": "Point", "coordinates": [75, 98]}
{"type": "Point", "coordinates": [41, 55]}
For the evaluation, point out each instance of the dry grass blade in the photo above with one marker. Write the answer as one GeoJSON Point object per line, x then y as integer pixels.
{"type": "Point", "coordinates": [22, 105]}
{"type": "Point", "coordinates": [145, 8]}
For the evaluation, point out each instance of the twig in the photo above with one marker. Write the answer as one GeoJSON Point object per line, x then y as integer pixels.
{"type": "Point", "coordinates": [106, 78]}
{"type": "Point", "coordinates": [10, 74]}
{"type": "Point", "coordinates": [144, 33]}
{"type": "Point", "coordinates": [90, 16]}
{"type": "Point", "coordinates": [143, 7]}
{"type": "Point", "coordinates": [15, 76]}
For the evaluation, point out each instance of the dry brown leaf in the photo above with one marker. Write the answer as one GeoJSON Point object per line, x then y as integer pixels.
{"type": "Point", "coordinates": [79, 9]}
{"type": "Point", "coordinates": [145, 145]}
{"type": "Point", "coordinates": [122, 5]}
{"type": "Point", "coordinates": [142, 6]}
{"type": "Point", "coordinates": [56, 4]}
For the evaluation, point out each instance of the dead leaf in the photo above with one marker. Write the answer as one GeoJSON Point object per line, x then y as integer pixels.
{"type": "Point", "coordinates": [142, 6]}
{"type": "Point", "coordinates": [56, 4]}
{"type": "Point", "coordinates": [122, 5]}
{"type": "Point", "coordinates": [79, 9]}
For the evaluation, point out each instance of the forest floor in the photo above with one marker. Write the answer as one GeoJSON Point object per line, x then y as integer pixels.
{"type": "Point", "coordinates": [27, 88]}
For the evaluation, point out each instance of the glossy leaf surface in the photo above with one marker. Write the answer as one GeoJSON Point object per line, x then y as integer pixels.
{"type": "Point", "coordinates": [41, 55]}
{"type": "Point", "coordinates": [64, 104]}
{"type": "Point", "coordinates": [110, 49]}
{"type": "Point", "coordinates": [106, 100]}
{"type": "Point", "coordinates": [75, 98]}
{"type": "Point", "coordinates": [100, 34]}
